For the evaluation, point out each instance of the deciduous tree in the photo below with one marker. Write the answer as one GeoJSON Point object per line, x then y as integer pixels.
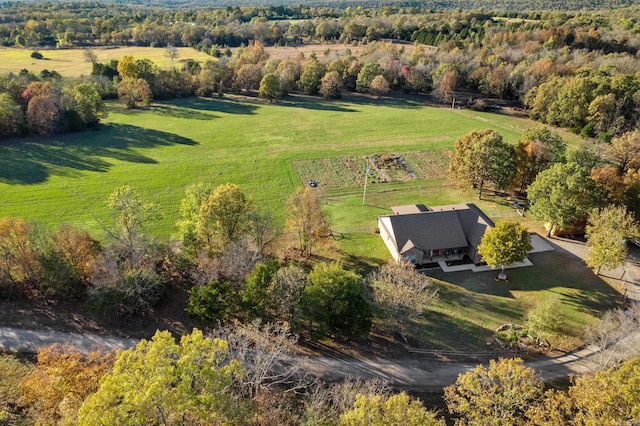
{"type": "Point", "coordinates": [254, 295]}
{"type": "Point", "coordinates": [133, 91]}
{"type": "Point", "coordinates": [330, 85]}
{"type": "Point", "coordinates": [563, 195]}
{"type": "Point", "coordinates": [311, 76]}
{"type": "Point", "coordinates": [498, 395]}
{"type": "Point", "coordinates": [624, 151]}
{"type": "Point", "coordinates": [537, 151]}
{"type": "Point", "coordinates": [403, 292]}
{"type": "Point", "coordinates": [88, 104]}
{"type": "Point", "coordinates": [506, 243]}
{"type": "Point", "coordinates": [305, 218]}
{"type": "Point", "coordinates": [397, 410]}
{"type": "Point", "coordinates": [285, 291]}
{"type": "Point", "coordinates": [379, 86]}
{"type": "Point", "coordinates": [269, 87]}
{"type": "Point", "coordinates": [223, 217]}
{"type": "Point", "coordinates": [334, 300]}
{"type": "Point", "coordinates": [11, 117]}
{"type": "Point", "coordinates": [162, 382]}
{"type": "Point", "coordinates": [62, 379]}
{"type": "Point", "coordinates": [608, 230]}
{"type": "Point", "coordinates": [481, 157]}
{"type": "Point", "coordinates": [194, 196]}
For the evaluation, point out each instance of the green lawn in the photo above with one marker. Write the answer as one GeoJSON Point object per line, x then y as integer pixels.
{"type": "Point", "coordinates": [243, 141]}
{"type": "Point", "coordinates": [160, 150]}
{"type": "Point", "coordinates": [472, 305]}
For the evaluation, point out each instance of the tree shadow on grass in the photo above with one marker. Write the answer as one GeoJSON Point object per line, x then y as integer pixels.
{"type": "Point", "coordinates": [555, 271]}
{"type": "Point", "coordinates": [181, 112]}
{"type": "Point", "coordinates": [32, 161]}
{"type": "Point", "coordinates": [442, 331]}
{"type": "Point", "coordinates": [317, 104]}
{"type": "Point", "coordinates": [394, 101]}
{"type": "Point", "coordinates": [221, 105]}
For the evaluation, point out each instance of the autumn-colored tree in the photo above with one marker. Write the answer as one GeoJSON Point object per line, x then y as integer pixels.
{"type": "Point", "coordinates": [62, 379]}
{"type": "Point", "coordinates": [619, 189]}
{"type": "Point", "coordinates": [498, 395]}
{"type": "Point", "coordinates": [78, 248]}
{"type": "Point", "coordinates": [330, 85]}
{"type": "Point", "coordinates": [163, 382]}
{"type": "Point", "coordinates": [305, 217]}
{"type": "Point", "coordinates": [506, 243]}
{"type": "Point", "coordinates": [247, 76]}
{"type": "Point", "coordinates": [607, 231]}
{"type": "Point", "coordinates": [397, 410]}
{"type": "Point", "coordinates": [133, 91]}
{"type": "Point", "coordinates": [44, 111]}
{"type": "Point", "coordinates": [127, 67]}
{"type": "Point", "coordinates": [624, 151]}
{"type": "Point", "coordinates": [18, 255]}
{"type": "Point", "coordinates": [13, 370]}
{"type": "Point", "coordinates": [445, 79]}
{"type": "Point", "coordinates": [223, 217]}
{"type": "Point", "coordinates": [537, 151]}
{"type": "Point", "coordinates": [379, 86]}
{"type": "Point", "coordinates": [609, 397]}
{"type": "Point", "coordinates": [481, 157]}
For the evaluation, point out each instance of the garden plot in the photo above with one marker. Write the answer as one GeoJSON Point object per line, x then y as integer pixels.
{"type": "Point", "coordinates": [428, 164]}
{"type": "Point", "coordinates": [341, 172]}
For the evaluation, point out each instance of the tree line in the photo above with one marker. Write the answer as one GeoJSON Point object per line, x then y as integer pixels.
{"type": "Point", "coordinates": [212, 379]}
{"type": "Point", "coordinates": [594, 188]}
{"type": "Point", "coordinates": [46, 105]}
{"type": "Point", "coordinates": [576, 70]}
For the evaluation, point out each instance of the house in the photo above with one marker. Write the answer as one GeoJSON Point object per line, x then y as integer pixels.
{"type": "Point", "coordinates": [425, 235]}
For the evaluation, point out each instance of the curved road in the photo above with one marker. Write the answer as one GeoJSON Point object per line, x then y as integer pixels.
{"type": "Point", "coordinates": [412, 373]}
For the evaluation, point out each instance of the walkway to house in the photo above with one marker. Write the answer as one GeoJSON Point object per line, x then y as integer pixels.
{"type": "Point", "coordinates": [539, 245]}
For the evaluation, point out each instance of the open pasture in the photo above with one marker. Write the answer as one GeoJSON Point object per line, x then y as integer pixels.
{"type": "Point", "coordinates": [260, 146]}
{"type": "Point", "coordinates": [71, 62]}
{"type": "Point", "coordinates": [162, 149]}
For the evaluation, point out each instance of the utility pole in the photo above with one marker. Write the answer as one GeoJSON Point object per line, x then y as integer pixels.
{"type": "Point", "coordinates": [366, 175]}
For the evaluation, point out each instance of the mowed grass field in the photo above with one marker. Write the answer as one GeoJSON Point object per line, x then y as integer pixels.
{"type": "Point", "coordinates": [257, 145]}
{"type": "Point", "coordinates": [71, 62]}
{"type": "Point", "coordinates": [239, 140]}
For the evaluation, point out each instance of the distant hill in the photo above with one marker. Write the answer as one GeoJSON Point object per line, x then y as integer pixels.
{"type": "Point", "coordinates": [501, 5]}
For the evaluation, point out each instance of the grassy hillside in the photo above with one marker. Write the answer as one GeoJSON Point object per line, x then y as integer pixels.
{"type": "Point", "coordinates": [165, 148]}
{"type": "Point", "coordinates": [71, 63]}
{"type": "Point", "coordinates": [263, 148]}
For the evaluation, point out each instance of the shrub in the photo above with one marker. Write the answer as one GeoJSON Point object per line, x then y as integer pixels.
{"type": "Point", "coordinates": [212, 302]}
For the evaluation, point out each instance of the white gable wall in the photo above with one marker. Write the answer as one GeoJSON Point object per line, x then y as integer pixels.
{"type": "Point", "coordinates": [386, 232]}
